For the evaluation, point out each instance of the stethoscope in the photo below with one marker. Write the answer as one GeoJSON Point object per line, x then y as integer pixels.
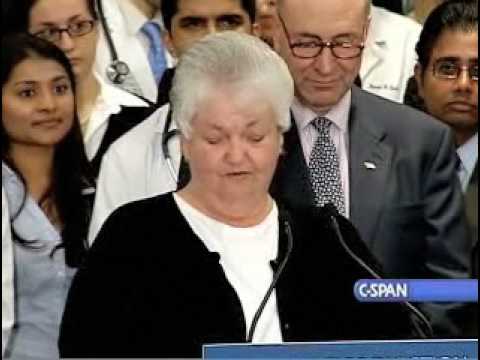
{"type": "Point", "coordinates": [117, 73]}
{"type": "Point", "coordinates": [167, 135]}
{"type": "Point", "coordinates": [118, 70]}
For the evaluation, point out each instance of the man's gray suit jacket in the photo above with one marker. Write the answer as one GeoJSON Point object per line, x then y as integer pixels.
{"type": "Point", "coordinates": [409, 209]}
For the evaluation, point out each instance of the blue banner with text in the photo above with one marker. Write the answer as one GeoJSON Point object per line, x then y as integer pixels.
{"type": "Point", "coordinates": [416, 290]}
{"type": "Point", "coordinates": [424, 350]}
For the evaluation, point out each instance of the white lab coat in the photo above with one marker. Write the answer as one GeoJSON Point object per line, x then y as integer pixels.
{"type": "Point", "coordinates": [389, 58]}
{"type": "Point", "coordinates": [134, 168]}
{"type": "Point", "coordinates": [109, 102]}
{"type": "Point", "coordinates": [124, 22]}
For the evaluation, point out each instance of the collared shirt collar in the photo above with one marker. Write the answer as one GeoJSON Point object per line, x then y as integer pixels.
{"type": "Point", "coordinates": [468, 154]}
{"type": "Point", "coordinates": [109, 102]}
{"type": "Point", "coordinates": [10, 181]}
{"type": "Point", "coordinates": [114, 97]}
{"type": "Point", "coordinates": [135, 19]}
{"type": "Point", "coordinates": [31, 223]}
{"type": "Point", "coordinates": [111, 99]}
{"type": "Point", "coordinates": [338, 114]}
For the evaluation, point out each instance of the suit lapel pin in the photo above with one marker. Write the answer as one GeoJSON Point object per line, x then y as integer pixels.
{"type": "Point", "coordinates": [369, 165]}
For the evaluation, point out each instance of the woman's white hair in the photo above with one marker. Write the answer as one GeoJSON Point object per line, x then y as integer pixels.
{"type": "Point", "coordinates": [240, 62]}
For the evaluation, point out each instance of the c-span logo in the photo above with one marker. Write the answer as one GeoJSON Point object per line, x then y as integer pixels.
{"type": "Point", "coordinates": [416, 290]}
{"type": "Point", "coordinates": [381, 291]}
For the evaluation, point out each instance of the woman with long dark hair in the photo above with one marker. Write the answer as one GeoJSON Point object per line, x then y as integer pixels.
{"type": "Point", "coordinates": [105, 112]}
{"type": "Point", "coordinates": [45, 174]}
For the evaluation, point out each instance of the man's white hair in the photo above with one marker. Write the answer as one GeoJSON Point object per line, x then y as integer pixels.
{"type": "Point", "coordinates": [242, 64]}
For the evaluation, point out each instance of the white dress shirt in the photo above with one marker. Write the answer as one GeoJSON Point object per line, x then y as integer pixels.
{"type": "Point", "coordinates": [135, 19]}
{"type": "Point", "coordinates": [389, 57]}
{"type": "Point", "coordinates": [125, 22]}
{"type": "Point", "coordinates": [7, 275]}
{"type": "Point", "coordinates": [245, 255]}
{"type": "Point", "coordinates": [108, 102]}
{"type": "Point", "coordinates": [339, 133]}
{"type": "Point", "coordinates": [468, 154]}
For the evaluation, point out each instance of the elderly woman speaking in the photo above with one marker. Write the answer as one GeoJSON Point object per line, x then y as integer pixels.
{"type": "Point", "coordinates": [220, 261]}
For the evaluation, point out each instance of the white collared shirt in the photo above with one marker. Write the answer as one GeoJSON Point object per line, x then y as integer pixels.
{"type": "Point", "coordinates": [339, 133]}
{"type": "Point", "coordinates": [109, 102]}
{"type": "Point", "coordinates": [135, 19]}
{"type": "Point", "coordinates": [245, 255]}
{"type": "Point", "coordinates": [468, 154]}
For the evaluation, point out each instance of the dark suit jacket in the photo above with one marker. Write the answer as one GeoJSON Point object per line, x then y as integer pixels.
{"type": "Point", "coordinates": [471, 203]}
{"type": "Point", "coordinates": [471, 206]}
{"type": "Point", "coordinates": [149, 290]}
{"type": "Point", "coordinates": [409, 210]}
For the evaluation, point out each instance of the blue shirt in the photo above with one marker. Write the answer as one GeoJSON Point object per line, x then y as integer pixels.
{"type": "Point", "coordinates": [41, 280]}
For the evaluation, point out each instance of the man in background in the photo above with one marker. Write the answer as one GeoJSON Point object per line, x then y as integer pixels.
{"type": "Point", "coordinates": [147, 160]}
{"type": "Point", "coordinates": [447, 80]}
{"type": "Point", "coordinates": [266, 19]}
{"type": "Point", "coordinates": [187, 21]}
{"type": "Point", "coordinates": [389, 57]}
{"type": "Point", "coordinates": [388, 168]}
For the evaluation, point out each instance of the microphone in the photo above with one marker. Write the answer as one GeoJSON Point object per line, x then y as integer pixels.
{"type": "Point", "coordinates": [332, 214]}
{"type": "Point", "coordinates": [286, 220]}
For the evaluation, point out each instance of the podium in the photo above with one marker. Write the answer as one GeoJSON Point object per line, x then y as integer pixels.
{"type": "Point", "coordinates": [429, 349]}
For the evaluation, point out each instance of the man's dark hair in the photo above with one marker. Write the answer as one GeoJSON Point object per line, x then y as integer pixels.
{"type": "Point", "coordinates": [453, 15]}
{"type": "Point", "coordinates": [170, 8]}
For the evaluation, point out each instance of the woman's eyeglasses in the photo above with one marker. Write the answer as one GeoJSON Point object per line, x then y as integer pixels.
{"type": "Point", "coordinates": [76, 29]}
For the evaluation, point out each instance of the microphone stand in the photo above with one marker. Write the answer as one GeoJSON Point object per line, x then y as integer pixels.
{"type": "Point", "coordinates": [276, 277]}
{"type": "Point", "coordinates": [332, 215]}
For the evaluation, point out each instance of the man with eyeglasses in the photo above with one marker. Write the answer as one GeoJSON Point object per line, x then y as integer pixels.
{"type": "Point", "coordinates": [388, 168]}
{"type": "Point", "coordinates": [450, 92]}
{"type": "Point", "coordinates": [447, 79]}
